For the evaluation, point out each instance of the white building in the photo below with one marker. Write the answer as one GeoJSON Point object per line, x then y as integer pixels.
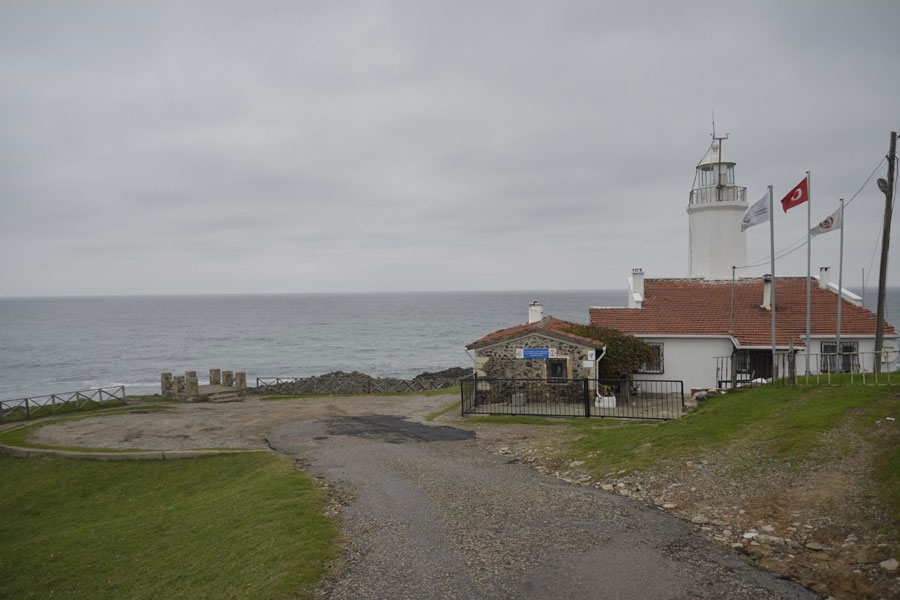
{"type": "Point", "coordinates": [704, 328]}
{"type": "Point", "coordinates": [715, 208]}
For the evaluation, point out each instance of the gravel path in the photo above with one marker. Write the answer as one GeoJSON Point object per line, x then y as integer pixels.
{"type": "Point", "coordinates": [435, 516]}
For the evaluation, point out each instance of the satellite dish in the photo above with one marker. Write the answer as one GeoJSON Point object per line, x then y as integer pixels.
{"type": "Point", "coordinates": [882, 185]}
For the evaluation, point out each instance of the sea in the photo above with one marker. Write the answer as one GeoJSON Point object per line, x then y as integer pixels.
{"type": "Point", "coordinates": [63, 344]}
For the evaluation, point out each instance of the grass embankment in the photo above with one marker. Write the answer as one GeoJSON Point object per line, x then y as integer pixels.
{"type": "Point", "coordinates": [441, 392]}
{"type": "Point", "coordinates": [234, 526]}
{"type": "Point", "coordinates": [787, 425]}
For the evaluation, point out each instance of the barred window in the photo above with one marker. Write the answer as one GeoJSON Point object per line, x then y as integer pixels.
{"type": "Point", "coordinates": [657, 365]}
{"type": "Point", "coordinates": [846, 362]}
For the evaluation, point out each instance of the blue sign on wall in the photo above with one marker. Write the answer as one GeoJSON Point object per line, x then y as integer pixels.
{"type": "Point", "coordinates": [535, 352]}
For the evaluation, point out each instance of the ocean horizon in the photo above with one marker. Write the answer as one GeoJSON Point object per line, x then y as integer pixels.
{"type": "Point", "coordinates": [56, 344]}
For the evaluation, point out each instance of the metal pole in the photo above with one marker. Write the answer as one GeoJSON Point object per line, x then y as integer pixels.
{"type": "Point", "coordinates": [772, 265]}
{"type": "Point", "coordinates": [808, 263]}
{"type": "Point", "coordinates": [885, 243]}
{"type": "Point", "coordinates": [840, 292]}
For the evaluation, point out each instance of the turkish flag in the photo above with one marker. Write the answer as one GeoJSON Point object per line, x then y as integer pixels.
{"type": "Point", "coordinates": [798, 195]}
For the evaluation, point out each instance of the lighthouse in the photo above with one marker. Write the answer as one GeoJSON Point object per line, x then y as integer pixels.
{"type": "Point", "coordinates": [715, 208]}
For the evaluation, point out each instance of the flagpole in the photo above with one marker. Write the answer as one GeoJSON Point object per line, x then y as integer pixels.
{"type": "Point", "coordinates": [772, 265]}
{"type": "Point", "coordinates": [808, 266]}
{"type": "Point", "coordinates": [840, 290]}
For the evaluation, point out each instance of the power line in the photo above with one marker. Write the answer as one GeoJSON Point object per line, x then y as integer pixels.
{"type": "Point", "coordinates": [790, 248]}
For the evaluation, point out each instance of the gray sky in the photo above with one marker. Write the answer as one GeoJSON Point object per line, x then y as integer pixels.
{"type": "Point", "coordinates": [218, 147]}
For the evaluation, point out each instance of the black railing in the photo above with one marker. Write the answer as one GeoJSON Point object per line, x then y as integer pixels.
{"type": "Point", "coordinates": [755, 368]}
{"type": "Point", "coordinates": [618, 398]}
{"type": "Point", "coordinates": [639, 399]}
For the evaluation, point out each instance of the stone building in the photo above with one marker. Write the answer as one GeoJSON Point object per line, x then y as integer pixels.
{"type": "Point", "coordinates": [539, 349]}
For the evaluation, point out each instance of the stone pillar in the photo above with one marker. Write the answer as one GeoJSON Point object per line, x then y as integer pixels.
{"type": "Point", "coordinates": [227, 378]}
{"type": "Point", "coordinates": [166, 385]}
{"type": "Point", "coordinates": [179, 386]}
{"type": "Point", "coordinates": [192, 388]}
{"type": "Point", "coordinates": [240, 380]}
{"type": "Point", "coordinates": [215, 376]}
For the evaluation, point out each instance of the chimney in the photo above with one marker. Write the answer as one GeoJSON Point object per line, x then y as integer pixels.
{"type": "Point", "coordinates": [636, 288]}
{"type": "Point", "coordinates": [535, 312]}
{"type": "Point", "coordinates": [824, 277]}
{"type": "Point", "coordinates": [767, 292]}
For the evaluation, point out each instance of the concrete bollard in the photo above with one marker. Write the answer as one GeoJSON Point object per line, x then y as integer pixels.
{"type": "Point", "coordinates": [179, 386]}
{"type": "Point", "coordinates": [215, 377]}
{"type": "Point", "coordinates": [240, 380]}
{"type": "Point", "coordinates": [166, 385]}
{"type": "Point", "coordinates": [192, 388]}
{"type": "Point", "coordinates": [189, 374]}
{"type": "Point", "coordinates": [227, 378]}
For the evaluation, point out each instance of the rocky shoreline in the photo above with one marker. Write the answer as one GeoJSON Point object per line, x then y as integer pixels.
{"type": "Point", "coordinates": [340, 382]}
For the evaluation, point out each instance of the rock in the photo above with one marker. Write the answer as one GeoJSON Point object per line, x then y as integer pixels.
{"type": "Point", "coordinates": [669, 505]}
{"type": "Point", "coordinates": [699, 520]}
{"type": "Point", "coordinates": [769, 539]}
{"type": "Point", "coordinates": [607, 487]}
{"type": "Point", "coordinates": [815, 546]}
{"type": "Point", "coordinates": [623, 491]}
{"type": "Point", "coordinates": [750, 535]}
{"type": "Point", "coordinates": [620, 485]}
{"type": "Point", "coordinates": [767, 528]}
{"type": "Point", "coordinates": [576, 463]}
{"type": "Point", "coordinates": [889, 565]}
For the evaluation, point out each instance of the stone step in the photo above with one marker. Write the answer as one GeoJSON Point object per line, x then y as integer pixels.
{"type": "Point", "coordinates": [224, 397]}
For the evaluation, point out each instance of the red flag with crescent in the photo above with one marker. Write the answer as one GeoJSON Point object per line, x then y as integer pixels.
{"type": "Point", "coordinates": [798, 195]}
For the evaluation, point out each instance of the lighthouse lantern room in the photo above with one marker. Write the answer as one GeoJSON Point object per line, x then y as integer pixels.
{"type": "Point", "coordinates": [714, 210]}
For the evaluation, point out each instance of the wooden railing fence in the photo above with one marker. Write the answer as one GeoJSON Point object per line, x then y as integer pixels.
{"type": "Point", "coordinates": [35, 406]}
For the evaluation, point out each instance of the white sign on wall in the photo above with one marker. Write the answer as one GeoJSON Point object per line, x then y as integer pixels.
{"type": "Point", "coordinates": [592, 355]}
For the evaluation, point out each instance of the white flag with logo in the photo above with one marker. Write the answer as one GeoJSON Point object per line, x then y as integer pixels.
{"type": "Point", "coordinates": [756, 214]}
{"type": "Point", "coordinates": [829, 224]}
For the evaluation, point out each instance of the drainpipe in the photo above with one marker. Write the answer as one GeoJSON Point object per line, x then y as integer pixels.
{"type": "Point", "coordinates": [597, 371]}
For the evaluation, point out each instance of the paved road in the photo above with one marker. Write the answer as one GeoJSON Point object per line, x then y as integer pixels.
{"type": "Point", "coordinates": [434, 516]}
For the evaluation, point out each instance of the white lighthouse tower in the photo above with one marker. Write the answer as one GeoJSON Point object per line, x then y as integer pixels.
{"type": "Point", "coordinates": [714, 210]}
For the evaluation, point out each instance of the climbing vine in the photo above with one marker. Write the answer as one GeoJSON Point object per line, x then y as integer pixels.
{"type": "Point", "coordinates": [624, 353]}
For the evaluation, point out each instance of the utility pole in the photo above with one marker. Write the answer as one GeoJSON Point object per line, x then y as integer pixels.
{"type": "Point", "coordinates": [888, 188]}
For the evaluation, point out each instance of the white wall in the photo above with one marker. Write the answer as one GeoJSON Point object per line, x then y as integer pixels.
{"type": "Point", "coordinates": [692, 360]}
{"type": "Point", "coordinates": [717, 241]}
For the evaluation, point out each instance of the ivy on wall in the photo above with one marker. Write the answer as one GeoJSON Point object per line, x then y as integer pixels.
{"type": "Point", "coordinates": [624, 353]}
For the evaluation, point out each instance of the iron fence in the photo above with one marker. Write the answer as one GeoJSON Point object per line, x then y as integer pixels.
{"type": "Point", "coordinates": [37, 406]}
{"type": "Point", "coordinates": [639, 399]}
{"type": "Point", "coordinates": [789, 368]}
{"type": "Point", "coordinates": [618, 398]}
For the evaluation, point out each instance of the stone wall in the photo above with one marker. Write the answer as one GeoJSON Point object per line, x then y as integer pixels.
{"type": "Point", "coordinates": [499, 360]}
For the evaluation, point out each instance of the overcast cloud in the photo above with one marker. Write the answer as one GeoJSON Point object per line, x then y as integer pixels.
{"type": "Point", "coordinates": [219, 147]}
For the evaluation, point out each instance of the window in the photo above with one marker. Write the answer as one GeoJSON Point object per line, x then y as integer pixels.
{"type": "Point", "coordinates": [847, 361]}
{"type": "Point", "coordinates": [557, 369]}
{"type": "Point", "coordinates": [657, 365]}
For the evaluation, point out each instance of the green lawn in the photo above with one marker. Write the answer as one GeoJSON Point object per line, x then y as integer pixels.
{"type": "Point", "coordinates": [786, 424]}
{"type": "Point", "coordinates": [232, 526]}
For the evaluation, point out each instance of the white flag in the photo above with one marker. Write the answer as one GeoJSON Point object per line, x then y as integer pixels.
{"type": "Point", "coordinates": [756, 214]}
{"type": "Point", "coordinates": [829, 224]}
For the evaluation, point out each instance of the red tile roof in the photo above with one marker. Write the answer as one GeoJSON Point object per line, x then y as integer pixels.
{"type": "Point", "coordinates": [548, 325]}
{"type": "Point", "coordinates": [700, 307]}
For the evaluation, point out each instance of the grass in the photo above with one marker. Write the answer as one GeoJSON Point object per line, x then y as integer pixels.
{"type": "Point", "coordinates": [223, 527]}
{"type": "Point", "coordinates": [443, 411]}
{"type": "Point", "coordinates": [521, 420]}
{"type": "Point", "coordinates": [788, 422]}
{"type": "Point", "coordinates": [18, 436]}
{"type": "Point", "coordinates": [440, 392]}
{"type": "Point", "coordinates": [61, 409]}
